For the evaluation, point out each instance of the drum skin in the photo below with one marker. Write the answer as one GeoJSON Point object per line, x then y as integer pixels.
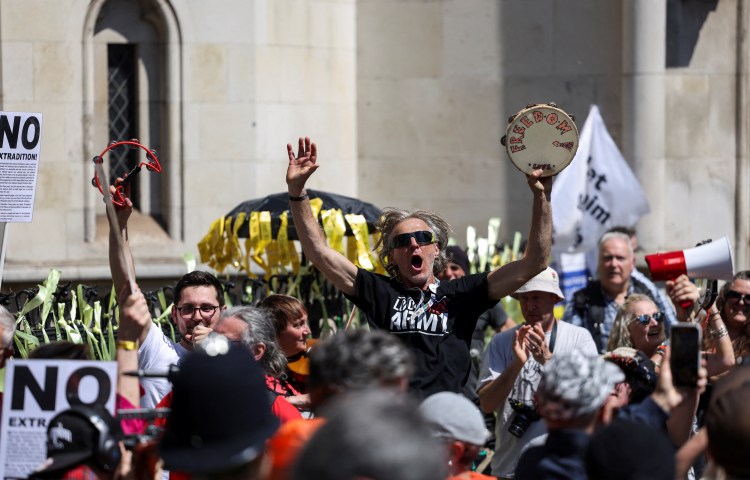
{"type": "Point", "coordinates": [541, 136]}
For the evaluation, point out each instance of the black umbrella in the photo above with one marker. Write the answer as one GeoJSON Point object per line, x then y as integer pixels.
{"type": "Point", "coordinates": [278, 203]}
{"type": "Point", "coordinates": [221, 247]}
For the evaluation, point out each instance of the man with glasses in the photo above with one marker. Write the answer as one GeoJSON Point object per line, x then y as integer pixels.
{"type": "Point", "coordinates": [198, 302]}
{"type": "Point", "coordinates": [434, 319]}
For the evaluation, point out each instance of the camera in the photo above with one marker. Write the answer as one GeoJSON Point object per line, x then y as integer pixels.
{"type": "Point", "coordinates": [525, 415]}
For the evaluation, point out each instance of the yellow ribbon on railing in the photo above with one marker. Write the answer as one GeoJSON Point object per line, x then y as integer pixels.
{"type": "Point", "coordinates": [221, 254]}
{"type": "Point", "coordinates": [334, 228]}
{"type": "Point", "coordinates": [351, 249]}
{"type": "Point", "coordinates": [235, 249]}
{"type": "Point", "coordinates": [255, 240]}
{"type": "Point", "coordinates": [265, 239]}
{"type": "Point", "coordinates": [283, 239]}
{"type": "Point", "coordinates": [248, 255]}
{"type": "Point", "coordinates": [358, 225]}
{"type": "Point", "coordinates": [316, 204]}
{"type": "Point", "coordinates": [211, 243]}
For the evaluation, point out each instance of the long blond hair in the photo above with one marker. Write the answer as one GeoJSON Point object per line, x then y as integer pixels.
{"type": "Point", "coordinates": [620, 335]}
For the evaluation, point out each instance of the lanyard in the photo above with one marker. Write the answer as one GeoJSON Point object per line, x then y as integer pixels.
{"type": "Point", "coordinates": [553, 338]}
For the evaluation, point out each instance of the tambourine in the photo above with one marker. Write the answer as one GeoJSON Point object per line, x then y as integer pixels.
{"type": "Point", "coordinates": [541, 136]}
{"type": "Point", "coordinates": [151, 163]}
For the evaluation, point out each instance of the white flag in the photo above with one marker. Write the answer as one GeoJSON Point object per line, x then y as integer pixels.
{"type": "Point", "coordinates": [596, 192]}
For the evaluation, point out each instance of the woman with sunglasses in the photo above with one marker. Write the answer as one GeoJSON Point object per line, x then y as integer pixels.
{"type": "Point", "coordinates": [639, 324]}
{"type": "Point", "coordinates": [733, 308]}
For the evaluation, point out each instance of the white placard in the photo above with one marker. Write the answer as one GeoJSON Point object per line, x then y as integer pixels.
{"type": "Point", "coordinates": [35, 390]}
{"type": "Point", "coordinates": [20, 141]}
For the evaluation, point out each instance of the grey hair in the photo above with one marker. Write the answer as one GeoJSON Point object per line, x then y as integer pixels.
{"type": "Point", "coordinates": [392, 217]}
{"type": "Point", "coordinates": [359, 359]}
{"type": "Point", "coordinates": [619, 235]}
{"type": "Point", "coordinates": [575, 385]}
{"type": "Point", "coordinates": [620, 335]}
{"type": "Point", "coordinates": [261, 330]}
{"type": "Point", "coordinates": [8, 324]}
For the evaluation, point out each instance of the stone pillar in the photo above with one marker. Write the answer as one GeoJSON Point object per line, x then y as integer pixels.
{"type": "Point", "coordinates": [643, 144]}
{"type": "Point", "coordinates": [742, 182]}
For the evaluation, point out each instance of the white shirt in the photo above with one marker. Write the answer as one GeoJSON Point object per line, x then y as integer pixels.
{"type": "Point", "coordinates": [497, 357]}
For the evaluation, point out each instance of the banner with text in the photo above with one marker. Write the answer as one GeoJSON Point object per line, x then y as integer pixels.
{"type": "Point", "coordinates": [597, 191]}
{"type": "Point", "coordinates": [36, 390]}
{"type": "Point", "coordinates": [20, 141]}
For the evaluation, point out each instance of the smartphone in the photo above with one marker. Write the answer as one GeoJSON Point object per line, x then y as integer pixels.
{"type": "Point", "coordinates": [685, 353]}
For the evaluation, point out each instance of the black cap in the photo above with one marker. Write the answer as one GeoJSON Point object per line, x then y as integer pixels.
{"type": "Point", "coordinates": [458, 256]}
{"type": "Point", "coordinates": [221, 413]}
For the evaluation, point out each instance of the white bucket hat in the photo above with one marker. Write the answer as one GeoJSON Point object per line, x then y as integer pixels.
{"type": "Point", "coordinates": [547, 281]}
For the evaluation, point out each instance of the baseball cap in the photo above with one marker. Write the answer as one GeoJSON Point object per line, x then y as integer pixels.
{"type": "Point", "coordinates": [547, 281]}
{"type": "Point", "coordinates": [457, 255]}
{"type": "Point", "coordinates": [450, 415]}
{"type": "Point", "coordinates": [79, 435]}
{"type": "Point", "coordinates": [575, 384]}
{"type": "Point", "coordinates": [221, 412]}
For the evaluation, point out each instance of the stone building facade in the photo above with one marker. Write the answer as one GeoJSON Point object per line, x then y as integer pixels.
{"type": "Point", "coordinates": [407, 100]}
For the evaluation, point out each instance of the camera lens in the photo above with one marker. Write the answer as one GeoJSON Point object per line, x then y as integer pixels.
{"type": "Point", "coordinates": [519, 425]}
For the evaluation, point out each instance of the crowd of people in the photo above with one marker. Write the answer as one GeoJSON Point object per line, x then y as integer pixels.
{"type": "Point", "coordinates": [417, 395]}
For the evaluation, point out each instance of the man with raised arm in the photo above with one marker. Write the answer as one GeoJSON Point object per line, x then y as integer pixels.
{"type": "Point", "coordinates": [198, 303]}
{"type": "Point", "coordinates": [434, 318]}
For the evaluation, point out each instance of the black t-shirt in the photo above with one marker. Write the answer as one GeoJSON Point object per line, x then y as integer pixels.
{"type": "Point", "coordinates": [436, 324]}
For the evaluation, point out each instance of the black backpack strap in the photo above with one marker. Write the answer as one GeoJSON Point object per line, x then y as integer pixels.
{"type": "Point", "coordinates": [589, 305]}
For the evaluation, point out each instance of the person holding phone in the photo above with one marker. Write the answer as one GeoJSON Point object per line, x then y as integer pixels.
{"type": "Point", "coordinates": [434, 318]}
{"type": "Point", "coordinates": [640, 324]}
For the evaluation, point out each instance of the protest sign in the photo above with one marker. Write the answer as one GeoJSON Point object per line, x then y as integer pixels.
{"type": "Point", "coordinates": [20, 141]}
{"type": "Point", "coordinates": [35, 390]}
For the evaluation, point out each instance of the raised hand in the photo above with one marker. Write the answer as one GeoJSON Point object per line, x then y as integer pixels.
{"type": "Point", "coordinates": [537, 345]}
{"type": "Point", "coordinates": [520, 344]}
{"type": "Point", "coordinates": [301, 166]}
{"type": "Point", "coordinates": [135, 317]}
{"type": "Point", "coordinates": [200, 333]}
{"type": "Point", "coordinates": [123, 213]}
{"type": "Point", "coordinates": [537, 183]}
{"type": "Point", "coordinates": [683, 294]}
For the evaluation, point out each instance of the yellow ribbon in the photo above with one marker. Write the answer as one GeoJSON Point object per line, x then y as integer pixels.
{"type": "Point", "coordinates": [334, 228]}
{"type": "Point", "coordinates": [358, 225]}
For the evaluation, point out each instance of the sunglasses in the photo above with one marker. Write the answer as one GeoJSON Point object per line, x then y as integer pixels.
{"type": "Point", "coordinates": [422, 237]}
{"type": "Point", "coordinates": [735, 295]}
{"type": "Point", "coordinates": [645, 318]}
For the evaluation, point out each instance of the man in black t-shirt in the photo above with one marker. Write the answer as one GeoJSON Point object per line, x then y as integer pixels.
{"type": "Point", "coordinates": [435, 319]}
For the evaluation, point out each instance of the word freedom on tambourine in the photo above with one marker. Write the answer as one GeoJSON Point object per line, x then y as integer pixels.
{"type": "Point", "coordinates": [541, 136]}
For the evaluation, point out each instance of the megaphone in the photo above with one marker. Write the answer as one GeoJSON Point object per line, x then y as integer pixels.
{"type": "Point", "coordinates": [710, 260]}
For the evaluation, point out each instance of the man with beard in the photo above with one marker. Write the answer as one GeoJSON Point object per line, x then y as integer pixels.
{"type": "Point", "coordinates": [513, 363]}
{"type": "Point", "coordinates": [434, 319]}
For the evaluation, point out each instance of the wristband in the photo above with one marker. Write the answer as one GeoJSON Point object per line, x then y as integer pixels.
{"type": "Point", "coordinates": [297, 199]}
{"type": "Point", "coordinates": [127, 345]}
{"type": "Point", "coordinates": [719, 332]}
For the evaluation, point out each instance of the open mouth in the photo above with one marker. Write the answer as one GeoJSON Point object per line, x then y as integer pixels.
{"type": "Point", "coordinates": [416, 262]}
{"type": "Point", "coordinates": [654, 332]}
